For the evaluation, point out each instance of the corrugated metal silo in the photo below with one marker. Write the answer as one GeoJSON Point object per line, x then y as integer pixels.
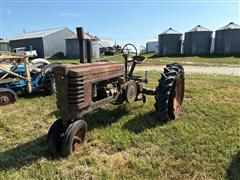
{"type": "Point", "coordinates": [227, 39]}
{"type": "Point", "coordinates": [169, 42]}
{"type": "Point", "coordinates": [198, 41]}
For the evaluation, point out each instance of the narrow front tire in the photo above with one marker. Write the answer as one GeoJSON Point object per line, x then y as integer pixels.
{"type": "Point", "coordinates": [74, 138]}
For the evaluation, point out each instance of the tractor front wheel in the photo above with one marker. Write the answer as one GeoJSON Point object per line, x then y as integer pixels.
{"type": "Point", "coordinates": [74, 137]}
{"type": "Point", "coordinates": [170, 93]}
{"type": "Point", "coordinates": [54, 137]}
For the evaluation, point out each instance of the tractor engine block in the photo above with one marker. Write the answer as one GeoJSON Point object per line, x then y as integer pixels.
{"type": "Point", "coordinates": [84, 87]}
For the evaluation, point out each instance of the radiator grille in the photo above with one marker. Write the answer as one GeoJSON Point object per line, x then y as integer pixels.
{"type": "Point", "coordinates": [76, 90]}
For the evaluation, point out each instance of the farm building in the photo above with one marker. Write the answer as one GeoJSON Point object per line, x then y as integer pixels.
{"type": "Point", "coordinates": [105, 42]}
{"type": "Point", "coordinates": [227, 39]}
{"type": "Point", "coordinates": [4, 45]}
{"type": "Point", "coordinates": [198, 41]}
{"type": "Point", "coordinates": [169, 42]}
{"type": "Point", "coordinates": [47, 43]}
{"type": "Point", "coordinates": [151, 46]}
{"type": "Point", "coordinates": [72, 46]}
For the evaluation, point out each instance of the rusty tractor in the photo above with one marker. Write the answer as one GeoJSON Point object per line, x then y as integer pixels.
{"type": "Point", "coordinates": [85, 87]}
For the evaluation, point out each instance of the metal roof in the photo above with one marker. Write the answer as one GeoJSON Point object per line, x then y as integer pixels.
{"type": "Point", "coordinates": [231, 25]}
{"type": "Point", "coordinates": [171, 31]}
{"type": "Point", "coordinates": [37, 34]}
{"type": "Point", "coordinates": [152, 42]}
{"type": "Point", "coordinates": [86, 36]}
{"type": "Point", "coordinates": [199, 28]}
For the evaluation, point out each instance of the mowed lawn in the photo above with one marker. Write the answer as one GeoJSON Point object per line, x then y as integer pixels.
{"type": "Point", "coordinates": [151, 59]}
{"type": "Point", "coordinates": [126, 141]}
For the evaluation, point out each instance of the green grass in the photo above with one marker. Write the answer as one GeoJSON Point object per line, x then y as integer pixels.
{"type": "Point", "coordinates": [184, 60]}
{"type": "Point", "coordinates": [127, 142]}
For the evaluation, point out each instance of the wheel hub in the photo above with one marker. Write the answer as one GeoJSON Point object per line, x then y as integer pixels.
{"type": "Point", "coordinates": [131, 92]}
{"type": "Point", "coordinates": [78, 139]}
{"type": "Point", "coordinates": [5, 98]}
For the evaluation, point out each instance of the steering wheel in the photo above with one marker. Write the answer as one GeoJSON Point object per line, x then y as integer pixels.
{"type": "Point", "coordinates": [127, 53]}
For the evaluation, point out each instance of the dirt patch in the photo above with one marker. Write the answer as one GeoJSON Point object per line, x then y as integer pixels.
{"type": "Point", "coordinates": [197, 69]}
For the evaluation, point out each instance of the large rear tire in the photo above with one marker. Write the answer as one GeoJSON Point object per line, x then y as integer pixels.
{"type": "Point", "coordinates": [170, 93]}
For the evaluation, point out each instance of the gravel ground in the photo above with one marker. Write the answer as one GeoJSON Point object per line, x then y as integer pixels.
{"type": "Point", "coordinates": [198, 69]}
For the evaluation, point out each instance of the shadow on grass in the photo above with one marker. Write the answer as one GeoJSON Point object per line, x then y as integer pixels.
{"type": "Point", "coordinates": [142, 122]}
{"type": "Point", "coordinates": [104, 117]}
{"type": "Point", "coordinates": [31, 151]}
{"type": "Point", "coordinates": [100, 117]}
{"type": "Point", "coordinates": [24, 154]}
{"type": "Point", "coordinates": [35, 94]}
{"type": "Point", "coordinates": [233, 171]}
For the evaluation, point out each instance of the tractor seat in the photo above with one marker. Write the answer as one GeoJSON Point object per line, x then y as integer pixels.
{"type": "Point", "coordinates": [139, 59]}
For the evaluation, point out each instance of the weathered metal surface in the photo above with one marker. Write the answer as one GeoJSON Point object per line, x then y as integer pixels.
{"type": "Point", "coordinates": [74, 86]}
{"type": "Point", "coordinates": [78, 139]}
{"type": "Point", "coordinates": [148, 91]}
{"type": "Point", "coordinates": [7, 96]}
{"type": "Point", "coordinates": [198, 41]}
{"type": "Point", "coordinates": [12, 73]}
{"type": "Point", "coordinates": [131, 92]}
{"type": "Point", "coordinates": [82, 88]}
{"type": "Point", "coordinates": [177, 96]}
{"type": "Point", "coordinates": [27, 74]}
{"type": "Point", "coordinates": [227, 40]}
{"type": "Point", "coordinates": [169, 43]}
{"type": "Point", "coordinates": [89, 51]}
{"type": "Point", "coordinates": [80, 35]}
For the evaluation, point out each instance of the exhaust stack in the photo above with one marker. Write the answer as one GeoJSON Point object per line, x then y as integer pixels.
{"type": "Point", "coordinates": [81, 39]}
{"type": "Point", "coordinates": [80, 35]}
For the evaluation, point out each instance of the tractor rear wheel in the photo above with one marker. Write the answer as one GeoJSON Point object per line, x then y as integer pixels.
{"type": "Point", "coordinates": [74, 137]}
{"type": "Point", "coordinates": [54, 137]}
{"type": "Point", "coordinates": [7, 96]}
{"type": "Point", "coordinates": [170, 93]}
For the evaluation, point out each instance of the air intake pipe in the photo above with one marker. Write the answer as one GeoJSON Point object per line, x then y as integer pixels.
{"type": "Point", "coordinates": [89, 51]}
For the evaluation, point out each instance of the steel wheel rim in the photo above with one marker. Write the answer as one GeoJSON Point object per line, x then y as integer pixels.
{"type": "Point", "coordinates": [78, 139]}
{"type": "Point", "coordinates": [178, 95]}
{"type": "Point", "coordinates": [5, 99]}
{"type": "Point", "coordinates": [131, 92]}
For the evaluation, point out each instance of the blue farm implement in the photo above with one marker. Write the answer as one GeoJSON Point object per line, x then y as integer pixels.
{"type": "Point", "coordinates": [17, 74]}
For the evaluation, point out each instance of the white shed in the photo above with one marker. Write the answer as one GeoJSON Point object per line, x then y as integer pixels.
{"type": "Point", "coordinates": [151, 46]}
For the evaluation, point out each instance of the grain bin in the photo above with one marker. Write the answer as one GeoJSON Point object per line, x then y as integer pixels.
{"type": "Point", "coordinates": [169, 42]}
{"type": "Point", "coordinates": [198, 41]}
{"type": "Point", "coordinates": [151, 46]}
{"type": "Point", "coordinates": [227, 39]}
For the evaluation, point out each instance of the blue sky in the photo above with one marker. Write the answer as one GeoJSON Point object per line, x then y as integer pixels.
{"type": "Point", "coordinates": [125, 21]}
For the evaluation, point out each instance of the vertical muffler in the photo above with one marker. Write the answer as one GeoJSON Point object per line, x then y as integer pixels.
{"type": "Point", "coordinates": [81, 39]}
